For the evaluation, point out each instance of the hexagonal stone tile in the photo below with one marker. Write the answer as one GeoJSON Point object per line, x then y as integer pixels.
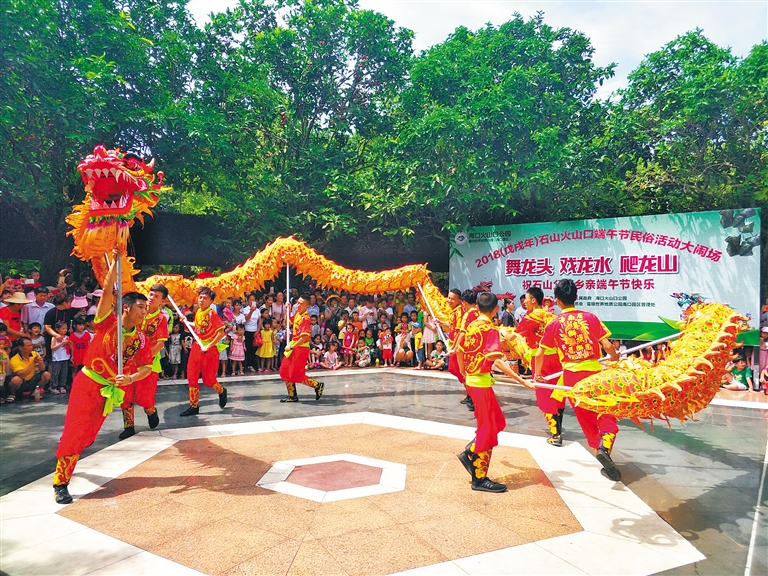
{"type": "Point", "coordinates": [334, 477]}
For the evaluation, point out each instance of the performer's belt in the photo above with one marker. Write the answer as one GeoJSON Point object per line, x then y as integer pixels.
{"type": "Point", "coordinates": [583, 366]}
{"type": "Point", "coordinates": [113, 394]}
{"type": "Point", "coordinates": [480, 380]}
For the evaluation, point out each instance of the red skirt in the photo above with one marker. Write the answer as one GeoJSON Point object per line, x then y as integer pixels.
{"type": "Point", "coordinates": [294, 367]}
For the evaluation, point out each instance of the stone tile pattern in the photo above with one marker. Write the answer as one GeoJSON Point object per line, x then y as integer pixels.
{"type": "Point", "coordinates": [339, 475]}
{"type": "Point", "coordinates": [196, 504]}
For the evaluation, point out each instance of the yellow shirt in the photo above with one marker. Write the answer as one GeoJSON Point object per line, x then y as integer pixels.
{"type": "Point", "coordinates": [18, 364]}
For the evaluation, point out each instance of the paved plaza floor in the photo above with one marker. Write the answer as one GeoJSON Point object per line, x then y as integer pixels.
{"type": "Point", "coordinates": [366, 481]}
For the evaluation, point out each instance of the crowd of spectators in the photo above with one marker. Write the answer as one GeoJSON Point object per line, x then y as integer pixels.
{"type": "Point", "coordinates": [44, 334]}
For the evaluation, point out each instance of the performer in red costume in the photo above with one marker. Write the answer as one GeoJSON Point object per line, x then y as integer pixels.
{"type": "Point", "coordinates": [155, 328]}
{"type": "Point", "coordinates": [531, 327]}
{"type": "Point", "coordinates": [577, 336]}
{"type": "Point", "coordinates": [97, 388]}
{"type": "Point", "coordinates": [454, 327]}
{"type": "Point", "coordinates": [209, 328]}
{"type": "Point", "coordinates": [293, 370]}
{"type": "Point", "coordinates": [470, 314]}
{"type": "Point", "coordinates": [482, 352]}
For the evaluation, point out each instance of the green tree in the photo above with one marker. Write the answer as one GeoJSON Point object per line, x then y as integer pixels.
{"type": "Point", "coordinates": [76, 73]}
{"type": "Point", "coordinates": [689, 131]}
{"type": "Point", "coordinates": [491, 129]}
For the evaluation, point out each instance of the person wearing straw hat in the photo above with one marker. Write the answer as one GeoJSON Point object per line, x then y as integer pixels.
{"type": "Point", "coordinates": [482, 352]}
{"type": "Point", "coordinates": [577, 336]}
{"type": "Point", "coordinates": [10, 315]}
{"type": "Point", "coordinates": [99, 387]}
{"type": "Point", "coordinates": [155, 328]}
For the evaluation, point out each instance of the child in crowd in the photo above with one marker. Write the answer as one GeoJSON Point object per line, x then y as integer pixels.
{"type": "Point", "coordinates": [385, 345]}
{"type": "Point", "coordinates": [314, 327]}
{"type": "Point", "coordinates": [348, 345]}
{"type": "Point", "coordinates": [3, 373]}
{"type": "Point", "coordinates": [315, 351]}
{"type": "Point", "coordinates": [363, 354]}
{"type": "Point", "coordinates": [5, 342]}
{"type": "Point", "coordinates": [237, 350]}
{"type": "Point", "coordinates": [186, 345]}
{"type": "Point", "coordinates": [739, 376]}
{"type": "Point", "coordinates": [174, 349]}
{"type": "Point", "coordinates": [266, 352]}
{"type": "Point", "coordinates": [60, 356]}
{"type": "Point", "coordinates": [429, 336]}
{"type": "Point", "coordinates": [403, 323]}
{"type": "Point", "coordinates": [331, 358]}
{"type": "Point", "coordinates": [417, 336]}
{"type": "Point", "coordinates": [38, 340]}
{"type": "Point", "coordinates": [403, 350]}
{"type": "Point", "coordinates": [355, 321]}
{"type": "Point", "coordinates": [90, 326]}
{"type": "Point", "coordinates": [80, 340]}
{"type": "Point", "coordinates": [370, 341]}
{"type": "Point", "coordinates": [223, 347]}
{"type": "Point", "coordinates": [438, 357]}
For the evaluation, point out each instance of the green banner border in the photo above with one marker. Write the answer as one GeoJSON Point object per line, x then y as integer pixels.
{"type": "Point", "coordinates": [647, 331]}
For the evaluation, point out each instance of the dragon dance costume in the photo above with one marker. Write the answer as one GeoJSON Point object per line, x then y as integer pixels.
{"type": "Point", "coordinates": [94, 393]}
{"type": "Point", "coordinates": [207, 326]}
{"type": "Point", "coordinates": [481, 347]}
{"type": "Point", "coordinates": [465, 319]}
{"type": "Point", "coordinates": [575, 335]}
{"type": "Point", "coordinates": [155, 328]}
{"type": "Point", "coordinates": [532, 327]}
{"type": "Point", "coordinates": [293, 369]}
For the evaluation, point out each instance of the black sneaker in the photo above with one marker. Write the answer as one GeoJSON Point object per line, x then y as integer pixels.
{"type": "Point", "coordinates": [290, 399]}
{"type": "Point", "coordinates": [223, 398]}
{"type": "Point", "coordinates": [488, 485]}
{"type": "Point", "coordinates": [609, 468]}
{"type": "Point", "coordinates": [319, 390]}
{"type": "Point", "coordinates": [61, 494]}
{"type": "Point", "coordinates": [466, 400]}
{"type": "Point", "coordinates": [190, 411]}
{"type": "Point", "coordinates": [470, 405]}
{"type": "Point", "coordinates": [556, 440]}
{"type": "Point", "coordinates": [466, 461]}
{"type": "Point", "coordinates": [127, 433]}
{"type": "Point", "coordinates": [153, 419]}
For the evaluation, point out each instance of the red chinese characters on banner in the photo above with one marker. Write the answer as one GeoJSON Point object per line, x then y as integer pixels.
{"type": "Point", "coordinates": [579, 266]}
{"type": "Point", "coordinates": [529, 267]}
{"type": "Point", "coordinates": [656, 264]}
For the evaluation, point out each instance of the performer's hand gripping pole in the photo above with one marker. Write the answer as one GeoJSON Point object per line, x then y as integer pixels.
{"type": "Point", "coordinates": [189, 326]}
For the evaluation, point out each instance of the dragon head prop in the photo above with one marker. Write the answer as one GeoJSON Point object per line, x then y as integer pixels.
{"type": "Point", "coordinates": [119, 187]}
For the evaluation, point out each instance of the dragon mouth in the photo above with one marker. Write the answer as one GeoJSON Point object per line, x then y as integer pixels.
{"type": "Point", "coordinates": [111, 189]}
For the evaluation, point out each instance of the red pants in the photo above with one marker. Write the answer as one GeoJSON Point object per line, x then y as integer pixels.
{"type": "Point", "coordinates": [593, 425]}
{"type": "Point", "coordinates": [453, 368]}
{"type": "Point", "coordinates": [142, 392]}
{"type": "Point", "coordinates": [84, 416]}
{"type": "Point", "coordinates": [206, 363]}
{"type": "Point", "coordinates": [294, 368]}
{"type": "Point", "coordinates": [490, 418]}
{"type": "Point", "coordinates": [544, 399]}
